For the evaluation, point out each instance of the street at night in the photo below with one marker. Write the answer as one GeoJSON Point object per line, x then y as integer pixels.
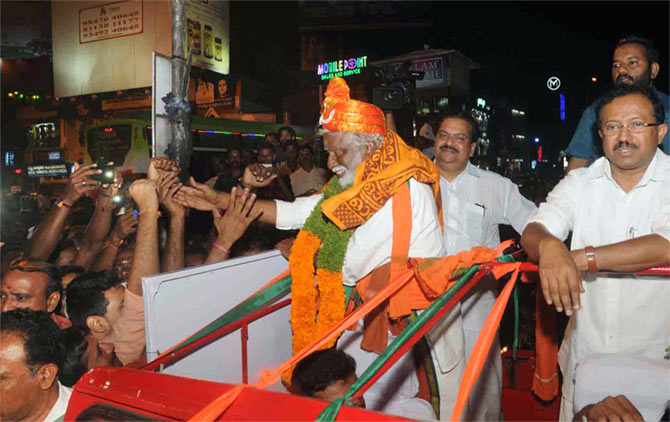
{"type": "Point", "coordinates": [334, 210]}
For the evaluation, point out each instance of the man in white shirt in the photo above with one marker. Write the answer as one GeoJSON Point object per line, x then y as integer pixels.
{"type": "Point", "coordinates": [352, 133]}
{"type": "Point", "coordinates": [31, 354]}
{"type": "Point", "coordinates": [619, 212]}
{"type": "Point", "coordinates": [307, 179]}
{"type": "Point", "coordinates": [474, 203]}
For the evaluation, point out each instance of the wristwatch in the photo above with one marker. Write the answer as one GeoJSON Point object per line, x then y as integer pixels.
{"type": "Point", "coordinates": [591, 259]}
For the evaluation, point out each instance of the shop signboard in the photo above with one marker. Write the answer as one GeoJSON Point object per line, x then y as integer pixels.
{"type": "Point", "coordinates": [342, 68]}
{"type": "Point", "coordinates": [207, 29]}
{"type": "Point", "coordinates": [111, 20]}
{"type": "Point", "coordinates": [433, 68]}
{"type": "Point", "coordinates": [106, 46]}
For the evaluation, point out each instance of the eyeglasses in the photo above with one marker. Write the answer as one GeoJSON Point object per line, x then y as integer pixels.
{"type": "Point", "coordinates": [614, 128]}
{"type": "Point", "coordinates": [459, 137]}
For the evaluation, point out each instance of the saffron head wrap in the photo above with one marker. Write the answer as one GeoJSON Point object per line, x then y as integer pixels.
{"type": "Point", "coordinates": [339, 113]}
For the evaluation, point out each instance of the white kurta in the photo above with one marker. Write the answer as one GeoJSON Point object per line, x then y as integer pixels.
{"type": "Point", "coordinates": [644, 381]}
{"type": "Point", "coordinates": [474, 204]}
{"type": "Point", "coordinates": [621, 314]}
{"type": "Point", "coordinates": [370, 247]}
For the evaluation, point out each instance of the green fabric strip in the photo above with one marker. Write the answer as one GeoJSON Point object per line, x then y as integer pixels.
{"type": "Point", "coordinates": [422, 349]}
{"type": "Point", "coordinates": [253, 303]}
{"type": "Point", "coordinates": [331, 411]}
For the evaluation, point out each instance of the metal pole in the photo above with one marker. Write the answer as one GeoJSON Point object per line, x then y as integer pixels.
{"type": "Point", "coordinates": [179, 148]}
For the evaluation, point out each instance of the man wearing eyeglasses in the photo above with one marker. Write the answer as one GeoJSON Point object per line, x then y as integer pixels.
{"type": "Point", "coordinates": [32, 284]}
{"type": "Point", "coordinates": [475, 202]}
{"type": "Point", "coordinates": [618, 210]}
{"type": "Point", "coordinates": [635, 62]}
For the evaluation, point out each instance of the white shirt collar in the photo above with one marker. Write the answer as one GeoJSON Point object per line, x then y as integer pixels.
{"type": "Point", "coordinates": [470, 170]}
{"type": "Point", "coordinates": [658, 170]}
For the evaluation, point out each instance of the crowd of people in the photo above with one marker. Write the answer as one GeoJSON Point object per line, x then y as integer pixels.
{"type": "Point", "coordinates": [72, 297]}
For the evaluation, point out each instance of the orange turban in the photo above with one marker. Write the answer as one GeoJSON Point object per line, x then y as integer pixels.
{"type": "Point", "coordinates": [340, 113]}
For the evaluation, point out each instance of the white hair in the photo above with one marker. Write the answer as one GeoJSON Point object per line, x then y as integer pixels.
{"type": "Point", "coordinates": [361, 139]}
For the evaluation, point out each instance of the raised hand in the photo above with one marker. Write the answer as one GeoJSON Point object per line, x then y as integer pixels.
{"type": "Point", "coordinates": [80, 182]}
{"type": "Point", "coordinates": [143, 192]}
{"type": "Point", "coordinates": [258, 176]}
{"type": "Point", "coordinates": [198, 196]}
{"type": "Point", "coordinates": [125, 226]}
{"type": "Point", "coordinates": [239, 215]}
{"type": "Point", "coordinates": [168, 185]}
{"type": "Point", "coordinates": [159, 166]}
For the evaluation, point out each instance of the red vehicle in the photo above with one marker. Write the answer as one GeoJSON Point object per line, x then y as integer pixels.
{"type": "Point", "coordinates": [138, 393]}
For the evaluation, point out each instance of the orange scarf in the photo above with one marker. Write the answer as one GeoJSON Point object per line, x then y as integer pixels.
{"type": "Point", "coordinates": [378, 178]}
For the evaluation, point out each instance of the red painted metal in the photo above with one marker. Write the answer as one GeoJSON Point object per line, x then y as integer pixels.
{"type": "Point", "coordinates": [421, 332]}
{"type": "Point", "coordinates": [244, 334]}
{"type": "Point", "coordinates": [213, 336]}
{"type": "Point", "coordinates": [172, 398]}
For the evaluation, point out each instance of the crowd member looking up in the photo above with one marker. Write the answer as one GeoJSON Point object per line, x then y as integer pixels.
{"type": "Point", "coordinates": [31, 355]}
{"type": "Point", "coordinates": [280, 186]}
{"type": "Point", "coordinates": [307, 179]}
{"type": "Point", "coordinates": [618, 210]}
{"type": "Point", "coordinates": [475, 202]}
{"type": "Point", "coordinates": [33, 284]}
{"type": "Point", "coordinates": [635, 62]}
{"type": "Point", "coordinates": [100, 306]}
{"type": "Point", "coordinates": [359, 145]}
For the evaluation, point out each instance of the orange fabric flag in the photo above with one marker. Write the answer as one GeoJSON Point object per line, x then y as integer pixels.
{"type": "Point", "coordinates": [545, 381]}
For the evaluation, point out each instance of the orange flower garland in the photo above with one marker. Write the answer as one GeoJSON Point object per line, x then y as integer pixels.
{"type": "Point", "coordinates": [314, 312]}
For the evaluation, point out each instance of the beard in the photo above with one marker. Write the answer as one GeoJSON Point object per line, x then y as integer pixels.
{"type": "Point", "coordinates": [349, 169]}
{"type": "Point", "coordinates": [644, 80]}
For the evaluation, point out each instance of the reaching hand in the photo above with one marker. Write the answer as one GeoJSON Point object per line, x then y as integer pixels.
{"type": "Point", "coordinates": [258, 176]}
{"type": "Point", "coordinates": [560, 278]}
{"type": "Point", "coordinates": [143, 192]}
{"type": "Point", "coordinates": [160, 166]}
{"type": "Point", "coordinates": [232, 225]}
{"type": "Point", "coordinates": [79, 183]}
{"type": "Point", "coordinates": [125, 226]}
{"type": "Point", "coordinates": [168, 185]}
{"type": "Point", "coordinates": [199, 196]}
{"type": "Point", "coordinates": [614, 409]}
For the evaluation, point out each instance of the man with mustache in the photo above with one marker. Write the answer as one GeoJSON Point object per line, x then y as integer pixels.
{"type": "Point", "coordinates": [475, 202]}
{"type": "Point", "coordinates": [618, 210]}
{"type": "Point", "coordinates": [374, 172]}
{"type": "Point", "coordinates": [635, 62]}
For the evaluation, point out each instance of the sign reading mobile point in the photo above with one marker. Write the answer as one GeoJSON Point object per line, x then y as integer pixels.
{"type": "Point", "coordinates": [342, 68]}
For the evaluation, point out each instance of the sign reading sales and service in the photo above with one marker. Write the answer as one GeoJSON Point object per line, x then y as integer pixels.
{"type": "Point", "coordinates": [112, 20]}
{"type": "Point", "coordinates": [342, 68]}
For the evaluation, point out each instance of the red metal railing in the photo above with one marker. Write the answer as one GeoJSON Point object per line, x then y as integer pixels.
{"type": "Point", "coordinates": [242, 324]}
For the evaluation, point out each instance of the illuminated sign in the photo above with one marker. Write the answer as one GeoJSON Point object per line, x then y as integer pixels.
{"type": "Point", "coordinates": [342, 68]}
{"type": "Point", "coordinates": [562, 100]}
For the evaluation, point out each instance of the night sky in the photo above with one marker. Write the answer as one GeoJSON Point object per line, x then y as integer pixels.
{"type": "Point", "coordinates": [518, 44]}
